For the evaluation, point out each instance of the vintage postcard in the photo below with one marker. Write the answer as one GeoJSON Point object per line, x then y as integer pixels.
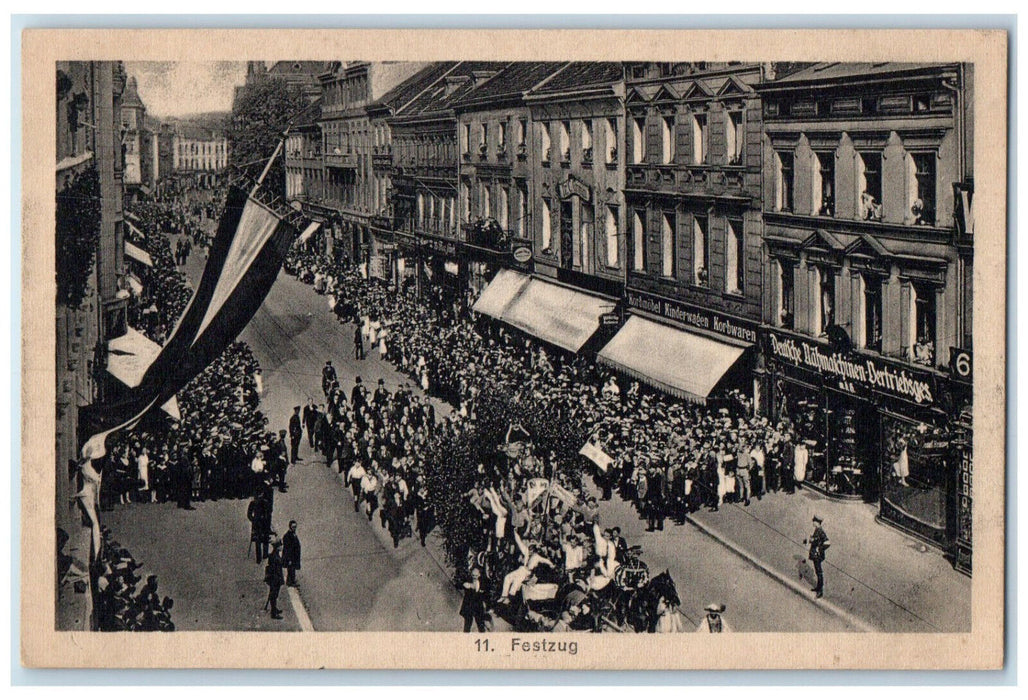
{"type": "Point", "coordinates": [513, 349]}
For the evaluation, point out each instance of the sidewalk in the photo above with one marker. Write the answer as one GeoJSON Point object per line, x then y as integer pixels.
{"type": "Point", "coordinates": [875, 576]}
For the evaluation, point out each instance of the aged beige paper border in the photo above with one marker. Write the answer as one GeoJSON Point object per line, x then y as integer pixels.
{"type": "Point", "coordinates": [41, 646]}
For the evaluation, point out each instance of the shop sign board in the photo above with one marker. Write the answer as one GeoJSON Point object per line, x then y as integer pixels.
{"type": "Point", "coordinates": [522, 254]}
{"type": "Point", "coordinates": [440, 246]}
{"type": "Point", "coordinates": [965, 499]}
{"type": "Point", "coordinates": [855, 373]}
{"type": "Point", "coordinates": [573, 186]}
{"type": "Point", "coordinates": [694, 316]}
{"type": "Point", "coordinates": [961, 363]}
{"type": "Point", "coordinates": [610, 319]}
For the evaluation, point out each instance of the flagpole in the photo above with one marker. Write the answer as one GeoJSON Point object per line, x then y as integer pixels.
{"type": "Point", "coordinates": [267, 166]}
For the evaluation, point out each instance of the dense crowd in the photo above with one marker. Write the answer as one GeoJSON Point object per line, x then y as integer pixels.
{"type": "Point", "coordinates": [208, 452]}
{"type": "Point", "coordinates": [121, 604]}
{"type": "Point", "coordinates": [502, 474]}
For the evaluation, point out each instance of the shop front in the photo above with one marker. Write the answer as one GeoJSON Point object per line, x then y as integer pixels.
{"type": "Point", "coordinates": [690, 352]}
{"type": "Point", "coordinates": [874, 429]}
{"type": "Point", "coordinates": [443, 269]}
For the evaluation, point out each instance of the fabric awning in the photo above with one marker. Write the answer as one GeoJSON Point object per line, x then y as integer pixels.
{"type": "Point", "coordinates": [309, 231]}
{"type": "Point", "coordinates": [138, 254]}
{"type": "Point", "coordinates": [128, 358]}
{"type": "Point", "coordinates": [501, 291]}
{"type": "Point", "coordinates": [561, 316]}
{"type": "Point", "coordinates": [683, 364]}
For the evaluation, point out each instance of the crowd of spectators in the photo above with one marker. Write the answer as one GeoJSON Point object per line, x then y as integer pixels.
{"type": "Point", "coordinates": [122, 605]}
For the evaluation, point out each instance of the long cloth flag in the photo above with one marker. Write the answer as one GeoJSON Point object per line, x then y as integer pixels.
{"type": "Point", "coordinates": [245, 258]}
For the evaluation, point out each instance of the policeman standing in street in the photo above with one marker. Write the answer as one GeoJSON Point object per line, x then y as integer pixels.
{"type": "Point", "coordinates": [273, 577]}
{"type": "Point", "coordinates": [291, 554]}
{"type": "Point", "coordinates": [295, 435]}
{"type": "Point", "coordinates": [818, 542]}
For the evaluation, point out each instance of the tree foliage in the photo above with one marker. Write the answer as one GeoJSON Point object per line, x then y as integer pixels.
{"type": "Point", "coordinates": [260, 115]}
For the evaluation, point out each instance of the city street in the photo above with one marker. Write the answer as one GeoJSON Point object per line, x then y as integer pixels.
{"type": "Point", "coordinates": [352, 578]}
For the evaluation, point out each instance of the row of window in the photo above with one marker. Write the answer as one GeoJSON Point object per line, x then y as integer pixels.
{"type": "Point", "coordinates": [868, 318]}
{"type": "Point", "coordinates": [697, 126]}
{"type": "Point", "coordinates": [918, 191]}
{"type": "Point", "coordinates": [699, 245]}
{"type": "Point", "coordinates": [608, 213]}
{"type": "Point", "coordinates": [585, 130]}
{"type": "Point", "coordinates": [205, 148]}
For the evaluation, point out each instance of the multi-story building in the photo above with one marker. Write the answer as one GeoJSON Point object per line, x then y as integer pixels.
{"type": "Point", "coordinates": [302, 76]}
{"type": "Point", "coordinates": [424, 177]}
{"type": "Point", "coordinates": [692, 158]}
{"type": "Point", "coordinates": [354, 190]}
{"type": "Point", "coordinates": [136, 141]}
{"type": "Point", "coordinates": [199, 152]}
{"type": "Point", "coordinates": [401, 263]}
{"type": "Point", "coordinates": [496, 188]}
{"type": "Point", "coordinates": [867, 284]}
{"type": "Point", "coordinates": [91, 306]}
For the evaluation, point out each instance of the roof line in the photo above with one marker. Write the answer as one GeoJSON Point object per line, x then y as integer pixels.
{"type": "Point", "coordinates": [552, 75]}
{"type": "Point", "coordinates": [427, 88]}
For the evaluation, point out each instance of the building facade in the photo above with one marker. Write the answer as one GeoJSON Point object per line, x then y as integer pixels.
{"type": "Point", "coordinates": [692, 160]}
{"type": "Point", "coordinates": [355, 189]}
{"type": "Point", "coordinates": [89, 166]}
{"type": "Point", "coordinates": [199, 152]}
{"type": "Point", "coordinates": [425, 177]}
{"type": "Point", "coordinates": [496, 187]}
{"type": "Point", "coordinates": [867, 294]}
{"type": "Point", "coordinates": [136, 141]}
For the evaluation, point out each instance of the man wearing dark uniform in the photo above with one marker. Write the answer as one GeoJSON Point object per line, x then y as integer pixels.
{"type": "Point", "coordinates": [310, 420]}
{"type": "Point", "coordinates": [295, 435]}
{"type": "Point", "coordinates": [358, 344]}
{"type": "Point", "coordinates": [291, 554]}
{"type": "Point", "coordinates": [273, 577]}
{"type": "Point", "coordinates": [328, 376]}
{"type": "Point", "coordinates": [818, 544]}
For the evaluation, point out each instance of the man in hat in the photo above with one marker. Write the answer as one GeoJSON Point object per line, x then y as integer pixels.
{"type": "Point", "coordinates": [358, 344]}
{"type": "Point", "coordinates": [328, 376]}
{"type": "Point", "coordinates": [381, 396]}
{"type": "Point", "coordinates": [259, 515]}
{"type": "Point", "coordinates": [818, 542]}
{"type": "Point", "coordinates": [291, 554]}
{"type": "Point", "coordinates": [273, 577]}
{"type": "Point", "coordinates": [358, 394]}
{"type": "Point", "coordinates": [712, 622]}
{"type": "Point", "coordinates": [279, 459]}
{"type": "Point", "coordinates": [310, 420]}
{"type": "Point", "coordinates": [295, 435]}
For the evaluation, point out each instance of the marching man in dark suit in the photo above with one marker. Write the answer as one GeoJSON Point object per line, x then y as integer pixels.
{"type": "Point", "coordinates": [818, 544]}
{"type": "Point", "coordinates": [291, 554]}
{"type": "Point", "coordinates": [310, 420]}
{"type": "Point", "coordinates": [295, 435]}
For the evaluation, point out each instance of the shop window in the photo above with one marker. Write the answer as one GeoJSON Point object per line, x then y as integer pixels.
{"type": "Point", "coordinates": [611, 228]}
{"type": "Point", "coordinates": [869, 185]}
{"type": "Point", "coordinates": [545, 146]}
{"type": "Point", "coordinates": [639, 241]}
{"type": "Point", "coordinates": [923, 324]}
{"type": "Point", "coordinates": [587, 141]}
{"type": "Point", "coordinates": [735, 256]}
{"type": "Point", "coordinates": [783, 180]}
{"type": "Point", "coordinates": [921, 188]}
{"type": "Point", "coordinates": [699, 139]}
{"type": "Point", "coordinates": [565, 142]}
{"type": "Point", "coordinates": [611, 140]}
{"type": "Point", "coordinates": [667, 142]}
{"type": "Point", "coordinates": [824, 184]}
{"type": "Point", "coordinates": [735, 137]}
{"type": "Point", "coordinates": [699, 251]}
{"type": "Point", "coordinates": [916, 467]}
{"type": "Point", "coordinates": [826, 300]}
{"type": "Point", "coordinates": [547, 224]}
{"type": "Point", "coordinates": [638, 140]}
{"type": "Point", "coordinates": [786, 294]}
{"type": "Point", "coordinates": [667, 245]}
{"type": "Point", "coordinates": [872, 312]}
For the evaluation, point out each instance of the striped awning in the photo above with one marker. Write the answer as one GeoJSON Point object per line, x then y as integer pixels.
{"type": "Point", "coordinates": [138, 254]}
{"type": "Point", "coordinates": [501, 291]}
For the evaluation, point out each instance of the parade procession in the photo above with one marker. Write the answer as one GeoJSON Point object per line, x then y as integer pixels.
{"type": "Point", "coordinates": [511, 346]}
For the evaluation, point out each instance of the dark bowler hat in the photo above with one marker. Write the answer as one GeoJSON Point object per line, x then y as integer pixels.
{"type": "Point", "coordinates": [818, 520]}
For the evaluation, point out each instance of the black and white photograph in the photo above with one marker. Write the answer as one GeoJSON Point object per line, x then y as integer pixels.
{"type": "Point", "coordinates": [528, 350]}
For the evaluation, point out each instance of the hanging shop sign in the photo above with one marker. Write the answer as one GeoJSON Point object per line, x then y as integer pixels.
{"type": "Point", "coordinates": [853, 372]}
{"type": "Point", "coordinates": [610, 319]}
{"type": "Point", "coordinates": [965, 499]}
{"type": "Point", "coordinates": [522, 254]}
{"type": "Point", "coordinates": [694, 316]}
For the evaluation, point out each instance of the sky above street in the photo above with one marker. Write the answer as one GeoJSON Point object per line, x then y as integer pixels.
{"type": "Point", "coordinates": [178, 88]}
